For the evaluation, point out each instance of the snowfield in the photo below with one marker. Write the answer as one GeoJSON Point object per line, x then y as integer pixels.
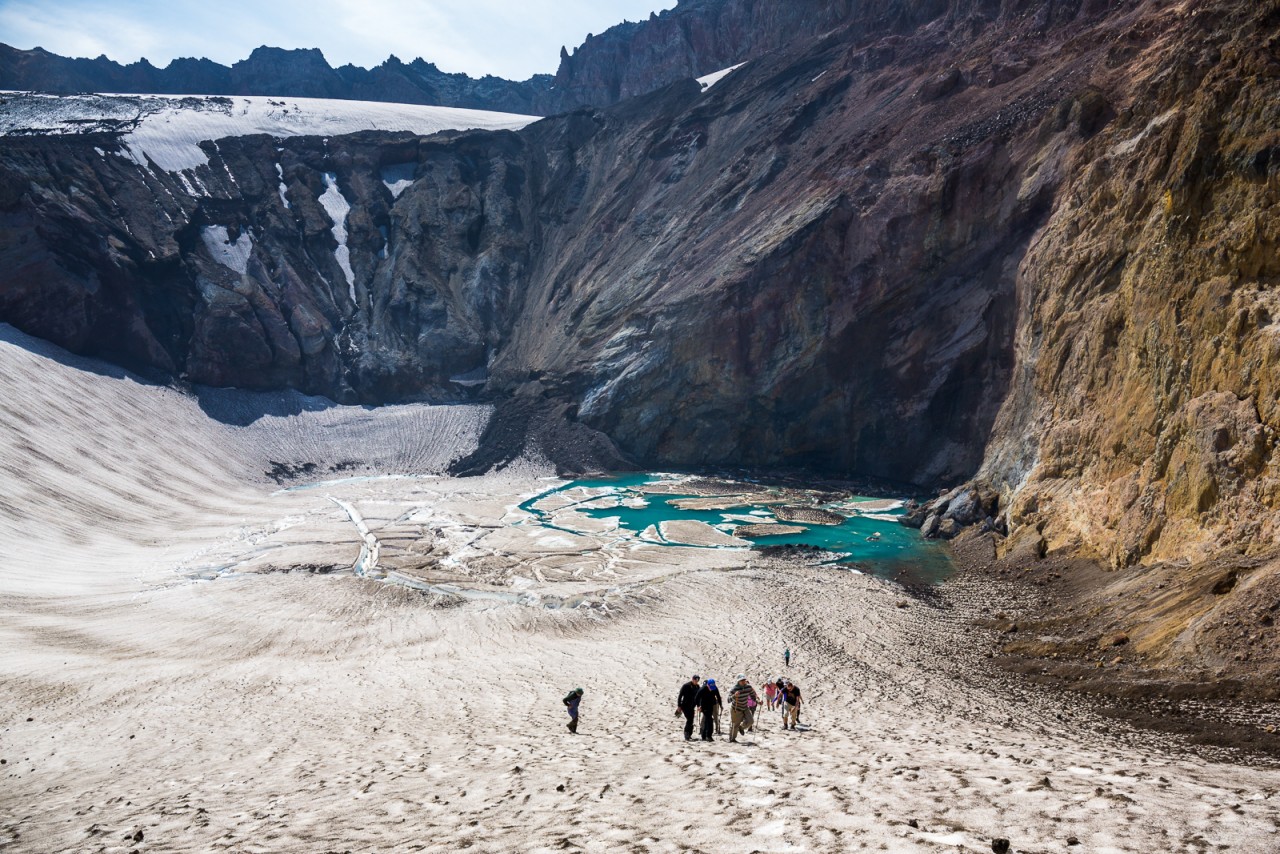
{"type": "Point", "coordinates": [168, 129]}
{"type": "Point", "coordinates": [709, 80]}
{"type": "Point", "coordinates": [255, 622]}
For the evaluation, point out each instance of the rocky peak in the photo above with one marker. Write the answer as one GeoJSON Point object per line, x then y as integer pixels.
{"type": "Point", "coordinates": [302, 72]}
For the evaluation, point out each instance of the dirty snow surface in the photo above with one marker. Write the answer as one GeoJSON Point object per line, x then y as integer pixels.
{"type": "Point", "coordinates": [168, 129]}
{"type": "Point", "coordinates": [236, 622]}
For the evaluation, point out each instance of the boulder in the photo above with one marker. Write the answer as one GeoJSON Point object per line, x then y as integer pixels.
{"type": "Point", "coordinates": [915, 518]}
{"type": "Point", "coordinates": [965, 508]}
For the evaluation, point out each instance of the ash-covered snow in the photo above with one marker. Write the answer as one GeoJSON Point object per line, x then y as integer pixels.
{"type": "Point", "coordinates": [228, 253]}
{"type": "Point", "coordinates": [715, 77]}
{"type": "Point", "coordinates": [168, 129]}
{"type": "Point", "coordinates": [336, 205]}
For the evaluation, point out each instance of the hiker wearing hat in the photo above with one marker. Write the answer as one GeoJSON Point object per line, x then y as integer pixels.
{"type": "Point", "coordinates": [739, 710]}
{"type": "Point", "coordinates": [709, 703]}
{"type": "Point", "coordinates": [571, 702]}
{"type": "Point", "coordinates": [685, 704]}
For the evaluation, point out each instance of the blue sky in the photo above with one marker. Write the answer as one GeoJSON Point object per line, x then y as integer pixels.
{"type": "Point", "coordinates": [509, 38]}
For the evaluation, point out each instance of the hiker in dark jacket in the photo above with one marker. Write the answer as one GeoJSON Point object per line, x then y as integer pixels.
{"type": "Point", "coordinates": [571, 702]}
{"type": "Point", "coordinates": [791, 700]}
{"type": "Point", "coordinates": [709, 703]}
{"type": "Point", "coordinates": [739, 706]}
{"type": "Point", "coordinates": [686, 704]}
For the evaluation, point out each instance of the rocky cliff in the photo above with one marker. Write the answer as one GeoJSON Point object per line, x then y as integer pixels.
{"type": "Point", "coordinates": [271, 71]}
{"type": "Point", "coordinates": [1027, 241]}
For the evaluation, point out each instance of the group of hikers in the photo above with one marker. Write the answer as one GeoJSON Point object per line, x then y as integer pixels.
{"type": "Point", "coordinates": [704, 698]}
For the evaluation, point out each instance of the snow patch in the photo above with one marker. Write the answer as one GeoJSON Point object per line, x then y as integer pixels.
{"type": "Point", "coordinates": [233, 255]}
{"type": "Point", "coordinates": [337, 207]}
{"type": "Point", "coordinates": [284, 191]}
{"type": "Point", "coordinates": [168, 129]}
{"type": "Point", "coordinates": [715, 77]}
{"type": "Point", "coordinates": [399, 177]}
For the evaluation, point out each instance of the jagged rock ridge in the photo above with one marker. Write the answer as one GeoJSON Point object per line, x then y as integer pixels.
{"type": "Point", "coordinates": [695, 38]}
{"type": "Point", "coordinates": [272, 71]}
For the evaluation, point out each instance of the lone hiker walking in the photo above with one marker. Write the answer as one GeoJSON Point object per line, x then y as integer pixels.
{"type": "Point", "coordinates": [571, 702]}
{"type": "Point", "coordinates": [686, 705]}
{"type": "Point", "coordinates": [739, 709]}
{"type": "Point", "coordinates": [786, 656]}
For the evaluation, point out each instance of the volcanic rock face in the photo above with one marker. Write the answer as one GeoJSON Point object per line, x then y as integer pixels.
{"type": "Point", "coordinates": [271, 71]}
{"type": "Point", "coordinates": [1142, 419]}
{"type": "Point", "coordinates": [695, 38]}
{"type": "Point", "coordinates": [1030, 240]}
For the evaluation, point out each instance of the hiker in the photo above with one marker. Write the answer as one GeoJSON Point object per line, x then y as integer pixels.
{"type": "Point", "coordinates": [770, 695]}
{"type": "Point", "coordinates": [571, 702]}
{"type": "Point", "coordinates": [786, 656]}
{"type": "Point", "coordinates": [791, 705]}
{"type": "Point", "coordinates": [779, 687]}
{"type": "Point", "coordinates": [708, 702]}
{"type": "Point", "coordinates": [711, 683]}
{"type": "Point", "coordinates": [685, 704]}
{"type": "Point", "coordinates": [738, 698]}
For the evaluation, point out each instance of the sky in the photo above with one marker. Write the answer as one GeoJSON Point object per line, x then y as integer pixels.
{"type": "Point", "coordinates": [509, 38]}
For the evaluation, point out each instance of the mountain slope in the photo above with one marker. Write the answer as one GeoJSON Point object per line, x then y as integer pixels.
{"type": "Point", "coordinates": [1028, 241]}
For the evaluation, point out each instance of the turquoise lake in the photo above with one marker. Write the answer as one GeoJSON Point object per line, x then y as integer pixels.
{"type": "Point", "coordinates": [875, 543]}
